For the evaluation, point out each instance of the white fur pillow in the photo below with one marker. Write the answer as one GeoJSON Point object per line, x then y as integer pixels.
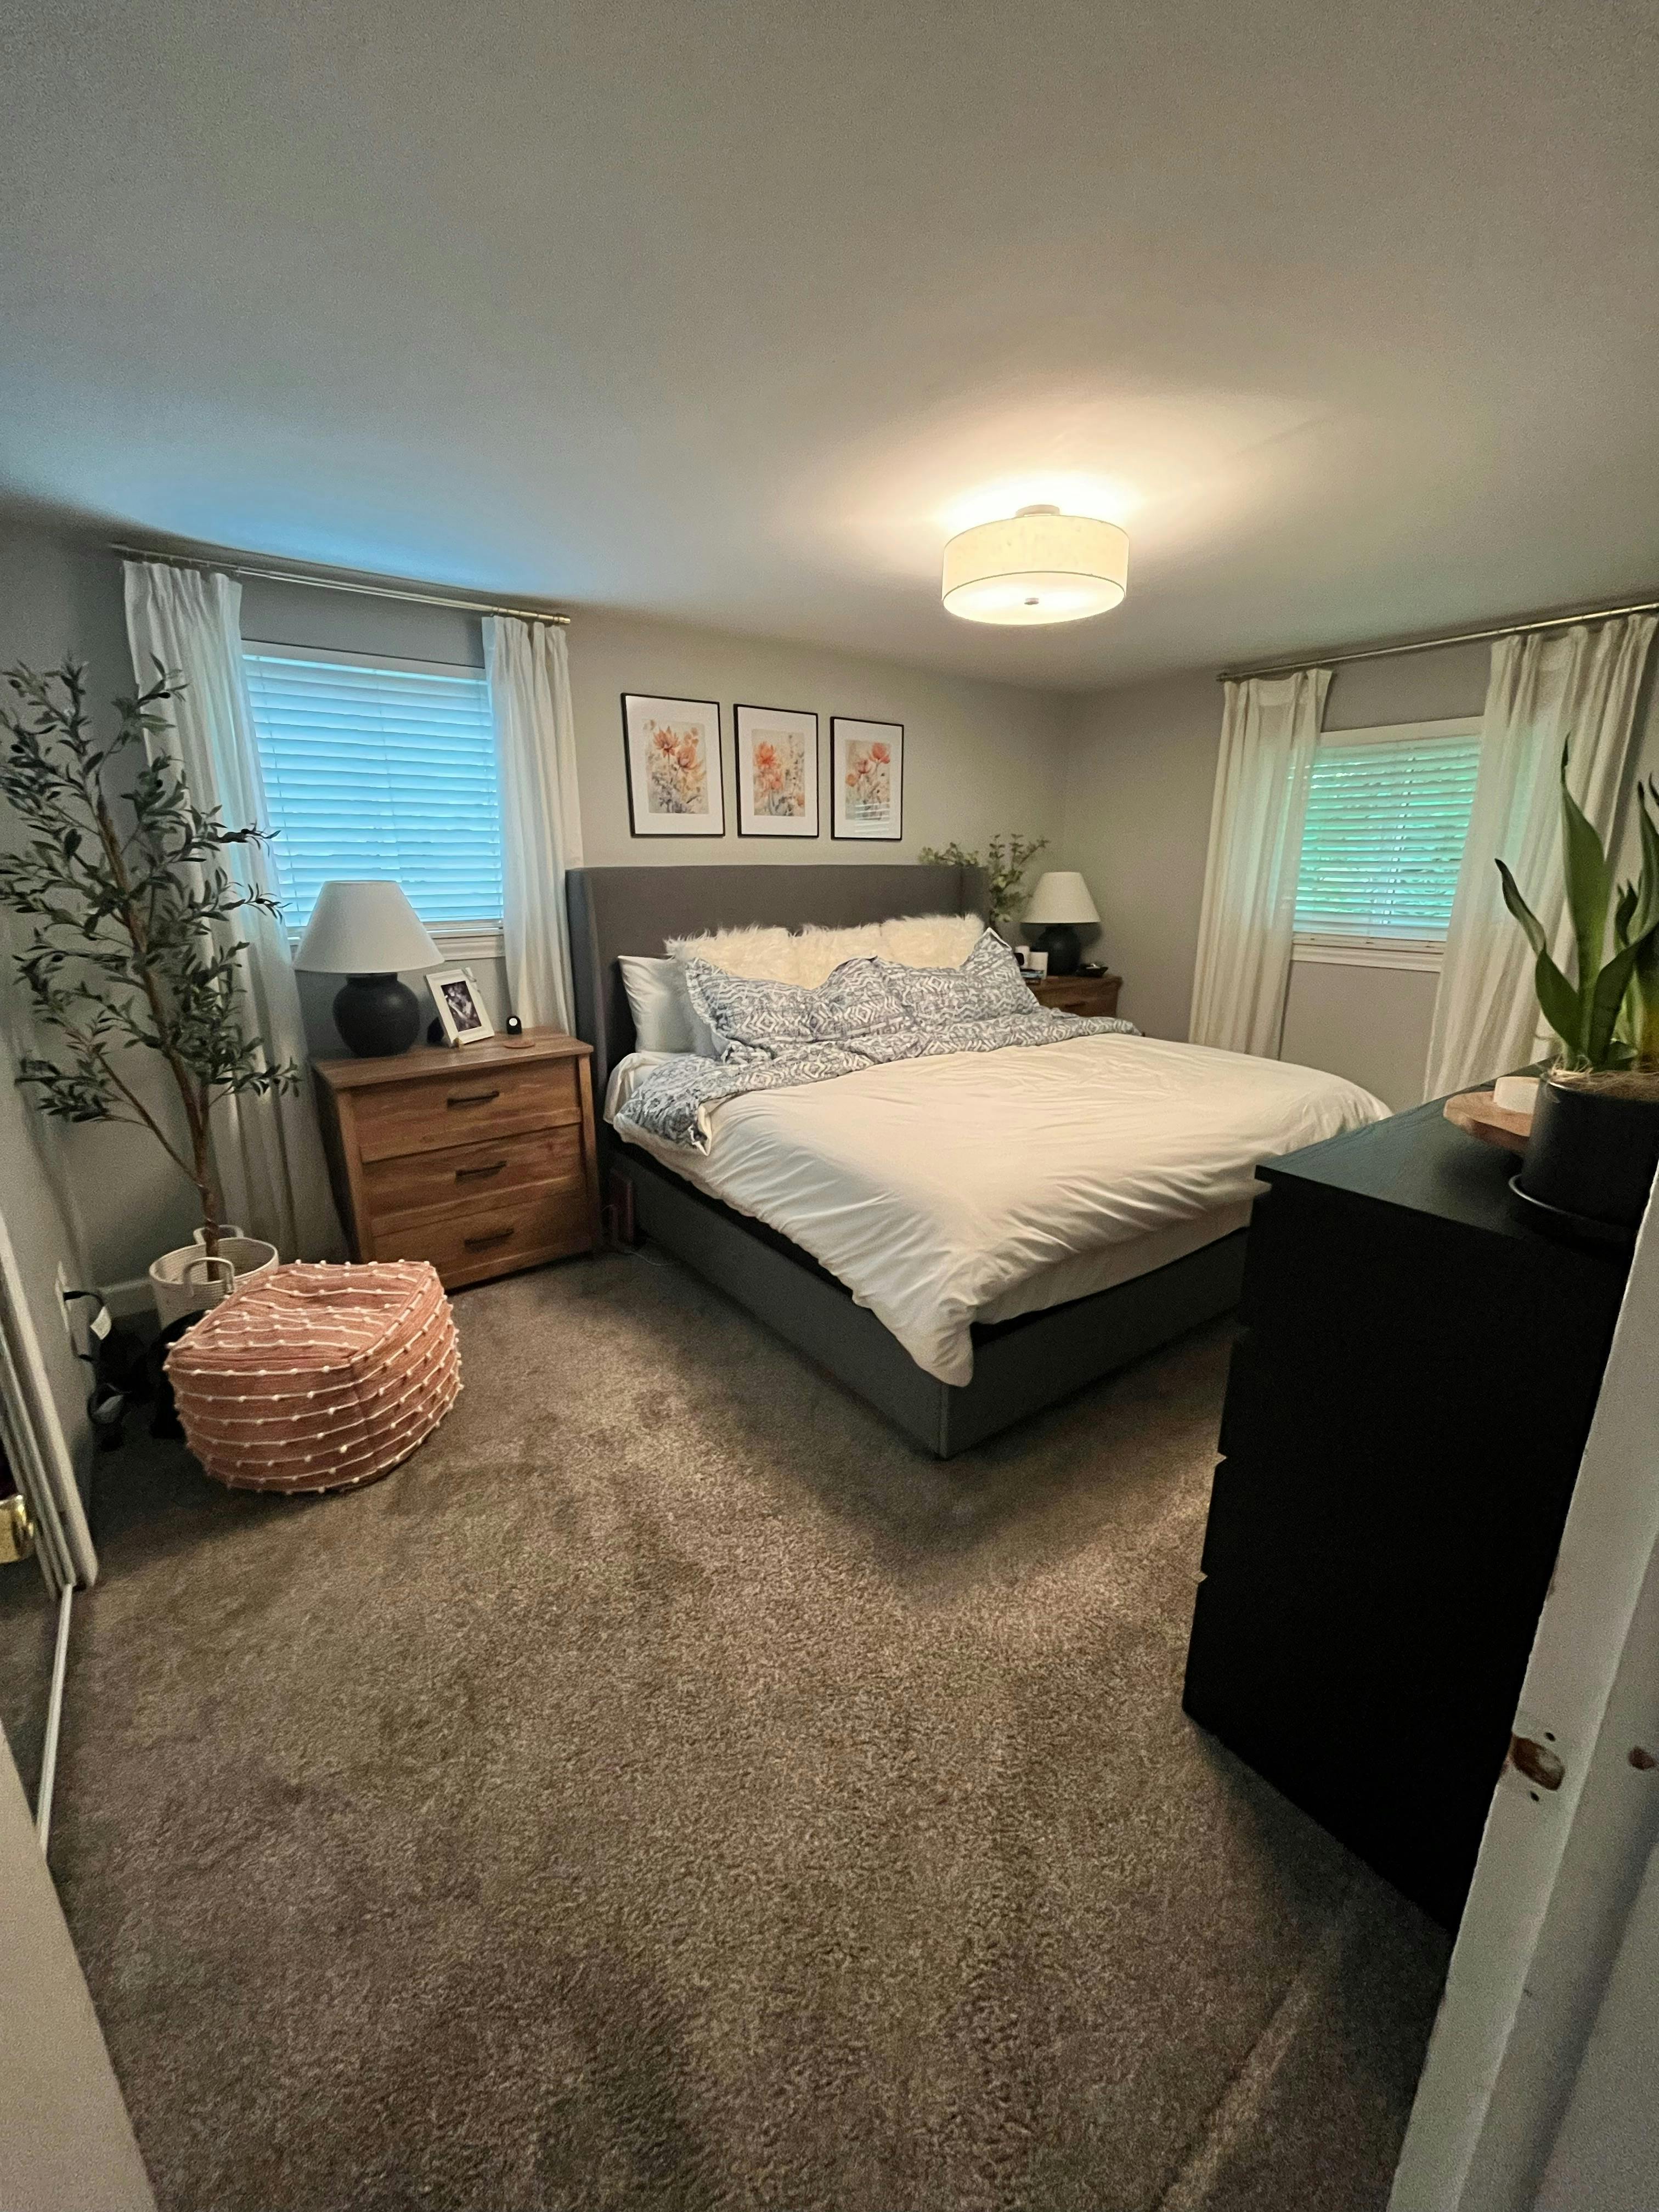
{"type": "Point", "coordinates": [931, 941]}
{"type": "Point", "coordinates": [765, 956]}
{"type": "Point", "coordinates": [819, 952]}
{"type": "Point", "coordinates": [811, 955]}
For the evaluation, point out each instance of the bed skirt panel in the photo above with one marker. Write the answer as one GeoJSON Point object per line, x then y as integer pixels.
{"type": "Point", "coordinates": [1019, 1366]}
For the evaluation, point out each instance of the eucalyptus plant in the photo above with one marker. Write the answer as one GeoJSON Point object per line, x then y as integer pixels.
{"type": "Point", "coordinates": [1608, 1018]}
{"type": "Point", "coordinates": [131, 909]}
{"type": "Point", "coordinates": [1005, 864]}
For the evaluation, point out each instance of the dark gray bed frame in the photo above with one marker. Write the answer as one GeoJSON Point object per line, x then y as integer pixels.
{"type": "Point", "coordinates": [1019, 1366]}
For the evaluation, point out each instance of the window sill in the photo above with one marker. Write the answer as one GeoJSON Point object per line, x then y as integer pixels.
{"type": "Point", "coordinates": [1425, 958]}
{"type": "Point", "coordinates": [460, 940]}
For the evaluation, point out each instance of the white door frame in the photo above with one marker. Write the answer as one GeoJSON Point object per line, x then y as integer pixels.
{"type": "Point", "coordinates": [39, 1455]}
{"type": "Point", "coordinates": [1562, 1856]}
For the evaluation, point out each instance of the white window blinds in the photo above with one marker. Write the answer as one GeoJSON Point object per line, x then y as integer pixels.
{"type": "Point", "coordinates": [1387, 816]}
{"type": "Point", "coordinates": [381, 770]}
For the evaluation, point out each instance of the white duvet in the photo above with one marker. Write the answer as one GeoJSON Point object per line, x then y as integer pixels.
{"type": "Point", "coordinates": [976, 1186]}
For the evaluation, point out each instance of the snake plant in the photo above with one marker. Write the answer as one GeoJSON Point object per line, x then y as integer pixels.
{"type": "Point", "coordinates": [1608, 1018]}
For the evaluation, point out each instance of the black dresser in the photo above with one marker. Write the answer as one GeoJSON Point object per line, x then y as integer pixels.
{"type": "Point", "coordinates": [1406, 1410]}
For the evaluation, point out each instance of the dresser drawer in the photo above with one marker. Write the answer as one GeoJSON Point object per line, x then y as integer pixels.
{"type": "Point", "coordinates": [415, 1182]}
{"type": "Point", "coordinates": [487, 1236]}
{"type": "Point", "coordinates": [438, 1114]}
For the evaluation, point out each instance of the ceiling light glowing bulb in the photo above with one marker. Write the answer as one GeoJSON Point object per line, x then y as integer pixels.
{"type": "Point", "coordinates": [1038, 566]}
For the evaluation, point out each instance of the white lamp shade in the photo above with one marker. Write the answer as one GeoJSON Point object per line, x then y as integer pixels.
{"type": "Point", "coordinates": [1061, 896]}
{"type": "Point", "coordinates": [365, 929]}
{"type": "Point", "coordinates": [1039, 566]}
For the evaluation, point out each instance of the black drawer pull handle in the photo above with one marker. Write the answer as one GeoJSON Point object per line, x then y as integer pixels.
{"type": "Point", "coordinates": [495, 1236]}
{"type": "Point", "coordinates": [472, 1097]}
{"type": "Point", "coordinates": [494, 1167]}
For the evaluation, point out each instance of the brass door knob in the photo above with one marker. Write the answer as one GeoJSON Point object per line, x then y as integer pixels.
{"type": "Point", "coordinates": [16, 1529]}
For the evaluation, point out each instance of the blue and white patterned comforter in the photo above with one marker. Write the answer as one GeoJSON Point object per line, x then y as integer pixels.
{"type": "Point", "coordinates": [868, 1013]}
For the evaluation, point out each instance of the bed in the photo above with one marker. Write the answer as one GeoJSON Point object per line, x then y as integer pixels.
{"type": "Point", "coordinates": [960, 1240]}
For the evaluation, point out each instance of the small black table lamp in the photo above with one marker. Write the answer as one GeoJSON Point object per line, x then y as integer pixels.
{"type": "Point", "coordinates": [367, 932]}
{"type": "Point", "coordinates": [1058, 905]}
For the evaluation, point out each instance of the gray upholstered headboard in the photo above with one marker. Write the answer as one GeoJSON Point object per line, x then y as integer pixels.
{"type": "Point", "coordinates": [616, 910]}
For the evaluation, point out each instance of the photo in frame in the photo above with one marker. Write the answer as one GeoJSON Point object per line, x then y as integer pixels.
{"type": "Point", "coordinates": [461, 1009]}
{"type": "Point", "coordinates": [777, 749]}
{"type": "Point", "coordinates": [866, 779]}
{"type": "Point", "coordinates": [674, 785]}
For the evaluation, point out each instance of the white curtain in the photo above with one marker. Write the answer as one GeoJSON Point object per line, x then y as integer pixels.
{"type": "Point", "coordinates": [267, 1150]}
{"type": "Point", "coordinates": [541, 812]}
{"type": "Point", "coordinates": [1546, 687]}
{"type": "Point", "coordinates": [1269, 729]}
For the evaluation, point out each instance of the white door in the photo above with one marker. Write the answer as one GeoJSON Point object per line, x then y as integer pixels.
{"type": "Point", "coordinates": [69, 2144]}
{"type": "Point", "coordinates": [1573, 1820]}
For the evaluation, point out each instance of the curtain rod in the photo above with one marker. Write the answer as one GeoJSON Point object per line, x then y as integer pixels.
{"type": "Point", "coordinates": [319, 581]}
{"type": "Point", "coordinates": [1429, 644]}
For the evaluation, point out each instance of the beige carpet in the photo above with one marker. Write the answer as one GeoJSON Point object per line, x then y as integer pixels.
{"type": "Point", "coordinates": [669, 1789]}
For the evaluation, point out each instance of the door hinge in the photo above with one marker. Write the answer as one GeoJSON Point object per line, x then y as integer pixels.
{"type": "Point", "coordinates": [16, 1530]}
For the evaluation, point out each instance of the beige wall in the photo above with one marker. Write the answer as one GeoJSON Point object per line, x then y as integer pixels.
{"type": "Point", "coordinates": [1139, 777]}
{"type": "Point", "coordinates": [1120, 781]}
{"type": "Point", "coordinates": [104, 1199]}
{"type": "Point", "coordinates": [1140, 770]}
{"type": "Point", "coordinates": [978, 757]}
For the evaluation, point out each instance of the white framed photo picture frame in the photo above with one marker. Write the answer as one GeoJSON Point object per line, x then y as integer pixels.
{"type": "Point", "coordinates": [461, 1009]}
{"type": "Point", "coordinates": [777, 751]}
{"type": "Point", "coordinates": [675, 787]}
{"type": "Point", "coordinates": [866, 779]}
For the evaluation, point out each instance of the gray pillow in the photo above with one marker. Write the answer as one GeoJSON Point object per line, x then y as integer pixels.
{"type": "Point", "coordinates": [752, 1020]}
{"type": "Point", "coordinates": [987, 984]}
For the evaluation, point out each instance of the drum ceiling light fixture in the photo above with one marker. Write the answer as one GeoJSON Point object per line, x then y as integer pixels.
{"type": "Point", "coordinates": [1037, 566]}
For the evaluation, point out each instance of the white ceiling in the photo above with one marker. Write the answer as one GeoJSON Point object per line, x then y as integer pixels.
{"type": "Point", "coordinates": [730, 312]}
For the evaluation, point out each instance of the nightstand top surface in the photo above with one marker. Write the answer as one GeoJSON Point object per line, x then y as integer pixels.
{"type": "Point", "coordinates": [353, 1073]}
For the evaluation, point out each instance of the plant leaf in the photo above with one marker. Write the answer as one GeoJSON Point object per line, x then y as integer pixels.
{"type": "Point", "coordinates": [1522, 913]}
{"type": "Point", "coordinates": [1561, 1007]}
{"type": "Point", "coordinates": [1589, 883]}
{"type": "Point", "coordinates": [1605, 1000]}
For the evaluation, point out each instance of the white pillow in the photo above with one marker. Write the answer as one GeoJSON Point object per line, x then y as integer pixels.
{"type": "Point", "coordinates": [764, 955]}
{"type": "Point", "coordinates": [811, 955]}
{"type": "Point", "coordinates": [819, 952]}
{"type": "Point", "coordinates": [931, 941]}
{"type": "Point", "coordinates": [664, 1019]}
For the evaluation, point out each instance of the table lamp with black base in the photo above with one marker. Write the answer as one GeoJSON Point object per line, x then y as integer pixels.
{"type": "Point", "coordinates": [1059, 905]}
{"type": "Point", "coordinates": [367, 932]}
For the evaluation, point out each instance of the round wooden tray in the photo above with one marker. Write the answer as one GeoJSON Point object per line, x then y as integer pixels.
{"type": "Point", "coordinates": [1473, 1111]}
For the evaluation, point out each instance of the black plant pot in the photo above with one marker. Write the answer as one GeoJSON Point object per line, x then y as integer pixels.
{"type": "Point", "coordinates": [377, 1016]}
{"type": "Point", "coordinates": [1593, 1154]}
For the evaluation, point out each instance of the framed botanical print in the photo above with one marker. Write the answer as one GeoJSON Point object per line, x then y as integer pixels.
{"type": "Point", "coordinates": [673, 748]}
{"type": "Point", "coordinates": [777, 772]}
{"type": "Point", "coordinates": [866, 778]}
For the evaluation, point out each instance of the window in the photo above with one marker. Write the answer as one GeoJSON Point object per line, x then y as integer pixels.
{"type": "Point", "coordinates": [379, 768]}
{"type": "Point", "coordinates": [1387, 817]}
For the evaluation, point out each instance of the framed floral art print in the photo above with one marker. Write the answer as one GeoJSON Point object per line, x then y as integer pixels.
{"type": "Point", "coordinates": [777, 772]}
{"type": "Point", "coordinates": [866, 778]}
{"type": "Point", "coordinates": [674, 788]}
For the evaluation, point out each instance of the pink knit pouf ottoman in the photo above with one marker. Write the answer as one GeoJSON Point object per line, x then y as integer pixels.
{"type": "Point", "coordinates": [318, 1377]}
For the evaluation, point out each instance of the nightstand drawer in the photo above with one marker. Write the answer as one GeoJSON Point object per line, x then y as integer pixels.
{"type": "Point", "coordinates": [401, 1118]}
{"type": "Point", "coordinates": [1088, 995]}
{"type": "Point", "coordinates": [480, 1238]}
{"type": "Point", "coordinates": [415, 1182]}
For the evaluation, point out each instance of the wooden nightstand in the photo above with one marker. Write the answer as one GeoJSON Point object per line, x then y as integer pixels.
{"type": "Point", "coordinates": [479, 1159]}
{"type": "Point", "coordinates": [1078, 994]}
